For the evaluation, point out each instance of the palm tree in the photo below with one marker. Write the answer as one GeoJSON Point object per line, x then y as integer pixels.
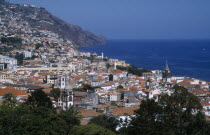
{"type": "Point", "coordinates": [73, 111]}
{"type": "Point", "coordinates": [9, 98]}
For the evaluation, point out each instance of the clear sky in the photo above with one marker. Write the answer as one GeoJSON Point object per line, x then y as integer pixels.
{"type": "Point", "coordinates": [134, 19]}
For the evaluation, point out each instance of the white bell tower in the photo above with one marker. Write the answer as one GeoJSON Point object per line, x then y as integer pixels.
{"type": "Point", "coordinates": [102, 55]}
{"type": "Point", "coordinates": [115, 65]}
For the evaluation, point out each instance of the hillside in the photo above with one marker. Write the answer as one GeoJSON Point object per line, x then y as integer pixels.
{"type": "Point", "coordinates": [19, 18]}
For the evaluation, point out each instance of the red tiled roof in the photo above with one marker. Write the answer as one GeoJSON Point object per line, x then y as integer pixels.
{"type": "Point", "coordinates": [122, 111]}
{"type": "Point", "coordinates": [13, 91]}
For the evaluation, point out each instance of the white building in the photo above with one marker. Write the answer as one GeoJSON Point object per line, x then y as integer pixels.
{"type": "Point", "coordinates": [114, 96]}
{"type": "Point", "coordinates": [7, 62]}
{"type": "Point", "coordinates": [27, 54]}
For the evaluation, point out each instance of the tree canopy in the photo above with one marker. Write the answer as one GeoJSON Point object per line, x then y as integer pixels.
{"type": "Point", "coordinates": [85, 88]}
{"type": "Point", "coordinates": [178, 114]}
{"type": "Point", "coordinates": [9, 99]}
{"type": "Point", "coordinates": [91, 129]}
{"type": "Point", "coordinates": [133, 70]}
{"type": "Point", "coordinates": [41, 120]}
{"type": "Point", "coordinates": [36, 116]}
{"type": "Point", "coordinates": [39, 98]}
{"type": "Point", "coordinates": [11, 40]}
{"type": "Point", "coordinates": [105, 121]}
{"type": "Point", "coordinates": [119, 87]}
{"type": "Point", "coordinates": [55, 92]}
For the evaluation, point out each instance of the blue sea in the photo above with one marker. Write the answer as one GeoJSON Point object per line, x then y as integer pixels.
{"type": "Point", "coordinates": [185, 57]}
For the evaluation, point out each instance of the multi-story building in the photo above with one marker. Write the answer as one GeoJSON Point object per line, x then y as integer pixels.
{"type": "Point", "coordinates": [7, 62]}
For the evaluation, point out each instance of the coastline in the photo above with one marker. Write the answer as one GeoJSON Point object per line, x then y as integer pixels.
{"type": "Point", "coordinates": [152, 57]}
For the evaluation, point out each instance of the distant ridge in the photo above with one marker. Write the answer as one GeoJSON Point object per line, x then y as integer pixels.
{"type": "Point", "coordinates": [40, 18]}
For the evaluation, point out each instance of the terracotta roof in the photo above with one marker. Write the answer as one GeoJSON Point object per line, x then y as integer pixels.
{"type": "Point", "coordinates": [205, 104]}
{"type": "Point", "coordinates": [12, 90]}
{"type": "Point", "coordinates": [186, 83]}
{"type": "Point", "coordinates": [32, 73]}
{"type": "Point", "coordinates": [99, 72]}
{"type": "Point", "coordinates": [101, 106]}
{"type": "Point", "coordinates": [106, 84]}
{"type": "Point", "coordinates": [122, 111]}
{"type": "Point", "coordinates": [114, 93]}
{"type": "Point", "coordinates": [47, 90]}
{"type": "Point", "coordinates": [133, 88]}
{"type": "Point", "coordinates": [142, 85]}
{"type": "Point", "coordinates": [116, 71]}
{"type": "Point", "coordinates": [78, 78]}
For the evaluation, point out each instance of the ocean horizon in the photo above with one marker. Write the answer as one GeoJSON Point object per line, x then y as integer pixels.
{"type": "Point", "coordinates": [189, 58]}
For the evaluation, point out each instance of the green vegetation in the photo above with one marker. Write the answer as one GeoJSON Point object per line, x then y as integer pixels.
{"type": "Point", "coordinates": [52, 61]}
{"type": "Point", "coordinates": [39, 98]}
{"type": "Point", "coordinates": [105, 121]}
{"type": "Point", "coordinates": [120, 87]}
{"type": "Point", "coordinates": [91, 58]}
{"type": "Point", "coordinates": [79, 89]}
{"type": "Point", "coordinates": [105, 59]}
{"type": "Point", "coordinates": [178, 114]}
{"type": "Point", "coordinates": [36, 116]}
{"type": "Point", "coordinates": [11, 43]}
{"type": "Point", "coordinates": [133, 70]}
{"type": "Point", "coordinates": [38, 46]}
{"type": "Point", "coordinates": [111, 77]}
{"type": "Point", "coordinates": [85, 88]}
{"type": "Point", "coordinates": [25, 120]}
{"type": "Point", "coordinates": [108, 65]}
{"type": "Point", "coordinates": [6, 49]}
{"type": "Point", "coordinates": [55, 93]}
{"type": "Point", "coordinates": [11, 40]}
{"type": "Point", "coordinates": [9, 99]}
{"type": "Point", "coordinates": [91, 129]}
{"type": "Point", "coordinates": [19, 57]}
{"type": "Point", "coordinates": [122, 95]}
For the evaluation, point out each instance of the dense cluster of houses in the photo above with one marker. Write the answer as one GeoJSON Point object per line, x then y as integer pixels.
{"type": "Point", "coordinates": [113, 91]}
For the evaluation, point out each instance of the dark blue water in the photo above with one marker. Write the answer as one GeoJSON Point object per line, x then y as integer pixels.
{"type": "Point", "coordinates": [185, 57]}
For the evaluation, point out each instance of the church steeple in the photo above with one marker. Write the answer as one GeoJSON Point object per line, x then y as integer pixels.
{"type": "Point", "coordinates": [166, 74]}
{"type": "Point", "coordinates": [166, 67]}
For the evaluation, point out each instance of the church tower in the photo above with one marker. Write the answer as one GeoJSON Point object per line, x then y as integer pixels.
{"type": "Point", "coordinates": [166, 74]}
{"type": "Point", "coordinates": [68, 98]}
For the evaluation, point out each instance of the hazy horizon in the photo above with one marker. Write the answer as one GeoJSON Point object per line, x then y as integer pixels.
{"type": "Point", "coordinates": [136, 19]}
